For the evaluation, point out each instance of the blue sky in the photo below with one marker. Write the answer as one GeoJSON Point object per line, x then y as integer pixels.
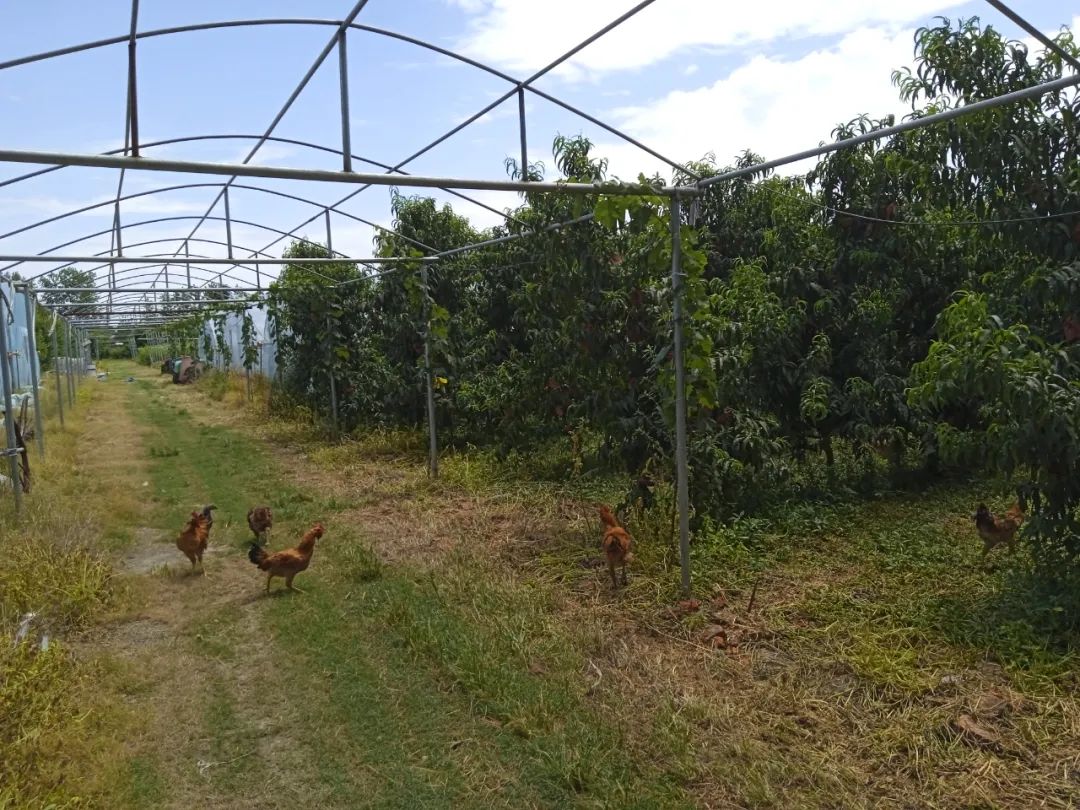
{"type": "Point", "coordinates": [687, 77]}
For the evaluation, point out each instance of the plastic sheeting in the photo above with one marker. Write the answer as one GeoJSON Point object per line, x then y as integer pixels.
{"type": "Point", "coordinates": [234, 325]}
{"type": "Point", "coordinates": [17, 337]}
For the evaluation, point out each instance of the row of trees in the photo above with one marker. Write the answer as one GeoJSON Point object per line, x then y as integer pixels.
{"type": "Point", "coordinates": [916, 294]}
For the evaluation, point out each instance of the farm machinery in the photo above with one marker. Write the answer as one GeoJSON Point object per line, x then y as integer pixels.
{"type": "Point", "coordinates": [184, 370]}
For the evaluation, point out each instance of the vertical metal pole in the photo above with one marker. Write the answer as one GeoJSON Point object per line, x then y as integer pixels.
{"type": "Point", "coordinates": [333, 384]}
{"type": "Point", "coordinates": [68, 365]}
{"type": "Point", "coordinates": [32, 357]}
{"type": "Point", "coordinates": [329, 236]}
{"type": "Point", "coordinates": [258, 277]}
{"type": "Point", "coordinates": [682, 483]}
{"type": "Point", "coordinates": [133, 96]}
{"type": "Point", "coordinates": [56, 373]}
{"type": "Point", "coordinates": [228, 224]}
{"type": "Point", "coordinates": [524, 140]}
{"type": "Point", "coordinates": [9, 412]}
{"type": "Point", "coordinates": [343, 86]}
{"type": "Point", "coordinates": [187, 256]}
{"type": "Point", "coordinates": [433, 439]}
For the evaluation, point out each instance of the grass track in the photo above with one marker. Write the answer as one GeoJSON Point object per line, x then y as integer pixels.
{"type": "Point", "coordinates": [455, 648]}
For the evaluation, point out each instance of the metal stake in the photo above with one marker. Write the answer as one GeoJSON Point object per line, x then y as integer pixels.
{"type": "Point", "coordinates": [56, 373]}
{"type": "Point", "coordinates": [9, 412]}
{"type": "Point", "coordinates": [32, 358]}
{"type": "Point", "coordinates": [681, 462]}
{"type": "Point", "coordinates": [433, 439]}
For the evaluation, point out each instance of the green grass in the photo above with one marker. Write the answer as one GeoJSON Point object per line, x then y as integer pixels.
{"type": "Point", "coordinates": [142, 784]}
{"type": "Point", "coordinates": [425, 683]}
{"type": "Point", "coordinates": [57, 734]}
{"type": "Point", "coordinates": [456, 647]}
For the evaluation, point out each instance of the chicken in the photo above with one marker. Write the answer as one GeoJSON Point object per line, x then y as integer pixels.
{"type": "Point", "coordinates": [193, 539]}
{"type": "Point", "coordinates": [287, 563]}
{"type": "Point", "coordinates": [260, 520]}
{"type": "Point", "coordinates": [616, 545]}
{"type": "Point", "coordinates": [997, 530]}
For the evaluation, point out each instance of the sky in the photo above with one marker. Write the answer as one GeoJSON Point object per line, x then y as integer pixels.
{"type": "Point", "coordinates": [686, 78]}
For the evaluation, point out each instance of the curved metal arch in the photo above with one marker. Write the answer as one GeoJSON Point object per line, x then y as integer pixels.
{"type": "Point", "coordinates": [178, 218]}
{"type": "Point", "coordinates": [205, 274]}
{"type": "Point", "coordinates": [518, 83]}
{"type": "Point", "coordinates": [187, 186]}
{"type": "Point", "coordinates": [123, 271]}
{"type": "Point", "coordinates": [110, 201]}
{"type": "Point", "coordinates": [127, 225]}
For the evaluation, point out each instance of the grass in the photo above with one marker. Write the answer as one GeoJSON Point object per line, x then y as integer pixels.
{"type": "Point", "coordinates": [441, 706]}
{"type": "Point", "coordinates": [875, 627]}
{"type": "Point", "coordinates": [457, 645]}
{"type": "Point", "coordinates": [52, 723]}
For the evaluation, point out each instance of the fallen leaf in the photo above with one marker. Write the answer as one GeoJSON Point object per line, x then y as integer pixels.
{"type": "Point", "coordinates": [714, 632]}
{"type": "Point", "coordinates": [992, 704]}
{"type": "Point", "coordinates": [972, 732]}
{"type": "Point", "coordinates": [690, 605]}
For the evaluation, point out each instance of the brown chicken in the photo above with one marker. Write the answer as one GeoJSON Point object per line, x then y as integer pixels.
{"type": "Point", "coordinates": [616, 545]}
{"type": "Point", "coordinates": [260, 520]}
{"type": "Point", "coordinates": [193, 539]}
{"type": "Point", "coordinates": [997, 530]}
{"type": "Point", "coordinates": [287, 563]}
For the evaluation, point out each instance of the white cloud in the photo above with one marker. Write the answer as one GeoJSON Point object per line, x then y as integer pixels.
{"type": "Point", "coordinates": [690, 70]}
{"type": "Point", "coordinates": [769, 105]}
{"type": "Point", "coordinates": [524, 35]}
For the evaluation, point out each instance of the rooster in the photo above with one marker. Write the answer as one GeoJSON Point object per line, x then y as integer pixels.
{"type": "Point", "coordinates": [997, 530]}
{"type": "Point", "coordinates": [616, 545]}
{"type": "Point", "coordinates": [287, 563]}
{"type": "Point", "coordinates": [193, 539]}
{"type": "Point", "coordinates": [260, 519]}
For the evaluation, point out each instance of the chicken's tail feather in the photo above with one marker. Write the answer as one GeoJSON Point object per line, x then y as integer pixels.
{"type": "Point", "coordinates": [256, 554]}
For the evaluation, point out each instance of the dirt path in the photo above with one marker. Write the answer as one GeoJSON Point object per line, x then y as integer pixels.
{"type": "Point", "coordinates": [201, 723]}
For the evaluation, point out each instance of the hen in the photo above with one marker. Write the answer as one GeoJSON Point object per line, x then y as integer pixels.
{"type": "Point", "coordinates": [616, 545]}
{"type": "Point", "coordinates": [997, 530]}
{"type": "Point", "coordinates": [193, 539]}
{"type": "Point", "coordinates": [287, 563]}
{"type": "Point", "coordinates": [260, 520]}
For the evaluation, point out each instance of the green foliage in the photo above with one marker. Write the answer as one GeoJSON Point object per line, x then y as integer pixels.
{"type": "Point", "coordinates": [152, 355]}
{"type": "Point", "coordinates": [248, 343]}
{"type": "Point", "coordinates": [811, 306]}
{"type": "Point", "coordinates": [68, 277]}
{"type": "Point", "coordinates": [1028, 399]}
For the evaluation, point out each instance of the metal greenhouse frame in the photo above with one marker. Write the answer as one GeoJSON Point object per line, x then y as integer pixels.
{"type": "Point", "coordinates": [136, 280]}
